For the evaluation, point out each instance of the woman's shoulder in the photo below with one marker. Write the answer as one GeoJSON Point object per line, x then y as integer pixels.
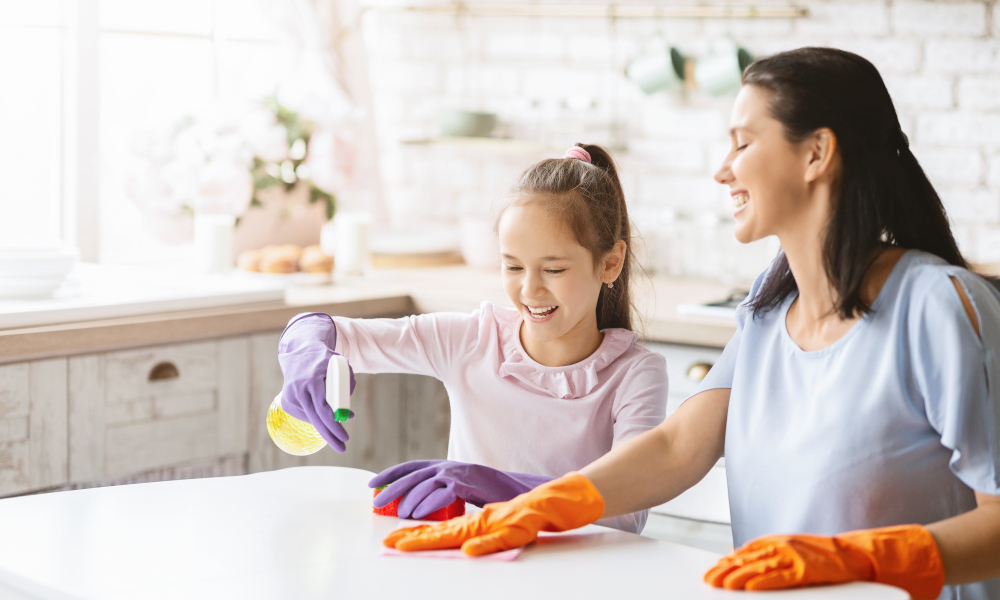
{"type": "Point", "coordinates": [928, 277]}
{"type": "Point", "coordinates": [927, 292]}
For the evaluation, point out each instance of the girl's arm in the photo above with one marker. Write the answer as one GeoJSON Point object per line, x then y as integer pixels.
{"type": "Point", "coordinates": [970, 542]}
{"type": "Point", "coordinates": [419, 344]}
{"type": "Point", "coordinates": [658, 465]}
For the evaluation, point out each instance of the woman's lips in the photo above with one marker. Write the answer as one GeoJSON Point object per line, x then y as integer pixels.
{"type": "Point", "coordinates": [740, 200]}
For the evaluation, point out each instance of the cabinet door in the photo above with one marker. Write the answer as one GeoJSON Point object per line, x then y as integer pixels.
{"type": "Point", "coordinates": [135, 410]}
{"type": "Point", "coordinates": [33, 430]}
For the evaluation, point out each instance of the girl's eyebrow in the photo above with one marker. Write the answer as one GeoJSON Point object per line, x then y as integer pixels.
{"type": "Point", "coordinates": [546, 258]}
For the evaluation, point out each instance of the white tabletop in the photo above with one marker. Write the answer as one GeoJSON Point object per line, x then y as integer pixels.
{"type": "Point", "coordinates": [308, 533]}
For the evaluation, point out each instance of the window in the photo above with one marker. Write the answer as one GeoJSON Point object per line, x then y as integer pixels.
{"type": "Point", "coordinates": [87, 78]}
{"type": "Point", "coordinates": [32, 39]}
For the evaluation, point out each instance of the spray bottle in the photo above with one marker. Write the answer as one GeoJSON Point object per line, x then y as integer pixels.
{"type": "Point", "coordinates": [300, 437]}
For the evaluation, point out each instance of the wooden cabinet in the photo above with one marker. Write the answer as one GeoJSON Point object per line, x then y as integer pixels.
{"type": "Point", "coordinates": [33, 430]}
{"type": "Point", "coordinates": [191, 409]}
{"type": "Point", "coordinates": [135, 410]}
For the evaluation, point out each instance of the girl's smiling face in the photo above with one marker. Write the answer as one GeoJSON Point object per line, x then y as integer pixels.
{"type": "Point", "coordinates": [550, 278]}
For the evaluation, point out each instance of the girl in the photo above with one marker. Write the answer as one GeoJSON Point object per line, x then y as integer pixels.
{"type": "Point", "coordinates": [858, 404]}
{"type": "Point", "coordinates": [538, 390]}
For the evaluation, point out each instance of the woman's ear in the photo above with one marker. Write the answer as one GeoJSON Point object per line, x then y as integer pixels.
{"type": "Point", "coordinates": [614, 260]}
{"type": "Point", "coordinates": [821, 153]}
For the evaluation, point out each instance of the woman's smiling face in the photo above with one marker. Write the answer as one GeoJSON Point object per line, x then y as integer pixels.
{"type": "Point", "coordinates": [548, 275]}
{"type": "Point", "coordinates": [766, 173]}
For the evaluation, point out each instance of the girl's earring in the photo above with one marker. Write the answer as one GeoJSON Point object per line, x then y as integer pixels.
{"type": "Point", "coordinates": [611, 284]}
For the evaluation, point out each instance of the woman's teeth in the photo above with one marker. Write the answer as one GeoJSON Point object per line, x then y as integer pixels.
{"type": "Point", "coordinates": [541, 312]}
{"type": "Point", "coordinates": [740, 199]}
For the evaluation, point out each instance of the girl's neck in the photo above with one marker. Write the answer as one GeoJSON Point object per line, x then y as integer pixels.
{"type": "Point", "coordinates": [574, 346]}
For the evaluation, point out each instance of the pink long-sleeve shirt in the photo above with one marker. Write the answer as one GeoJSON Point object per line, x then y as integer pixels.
{"type": "Point", "coordinates": [507, 411]}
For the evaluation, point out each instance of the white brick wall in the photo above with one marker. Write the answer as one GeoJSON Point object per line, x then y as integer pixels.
{"type": "Point", "coordinates": [554, 82]}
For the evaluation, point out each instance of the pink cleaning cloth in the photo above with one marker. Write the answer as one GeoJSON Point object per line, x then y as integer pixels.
{"type": "Point", "coordinates": [505, 556]}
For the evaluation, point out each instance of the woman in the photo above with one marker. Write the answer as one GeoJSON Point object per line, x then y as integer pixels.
{"type": "Point", "coordinates": [857, 404]}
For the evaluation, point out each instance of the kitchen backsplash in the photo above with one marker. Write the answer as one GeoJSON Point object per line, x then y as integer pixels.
{"type": "Point", "coordinates": [557, 81]}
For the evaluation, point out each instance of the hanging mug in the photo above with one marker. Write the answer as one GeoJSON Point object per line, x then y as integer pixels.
{"type": "Point", "coordinates": [661, 71]}
{"type": "Point", "coordinates": [721, 72]}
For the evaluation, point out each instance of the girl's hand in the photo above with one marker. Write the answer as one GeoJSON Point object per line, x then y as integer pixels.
{"type": "Point", "coordinates": [559, 505]}
{"type": "Point", "coordinates": [430, 485]}
{"type": "Point", "coordinates": [904, 556]}
{"type": "Point", "coordinates": [304, 353]}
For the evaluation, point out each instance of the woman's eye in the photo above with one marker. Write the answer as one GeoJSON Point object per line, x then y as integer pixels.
{"type": "Point", "coordinates": [554, 271]}
{"type": "Point", "coordinates": [741, 147]}
{"type": "Point", "coordinates": [513, 268]}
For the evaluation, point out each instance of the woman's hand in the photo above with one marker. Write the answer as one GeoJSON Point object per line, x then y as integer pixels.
{"type": "Point", "coordinates": [904, 556]}
{"type": "Point", "coordinates": [559, 505]}
{"type": "Point", "coordinates": [304, 353]}
{"type": "Point", "coordinates": [430, 485]}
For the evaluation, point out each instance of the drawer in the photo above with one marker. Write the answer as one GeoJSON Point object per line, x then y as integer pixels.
{"type": "Point", "coordinates": [173, 370]}
{"type": "Point", "coordinates": [135, 410]}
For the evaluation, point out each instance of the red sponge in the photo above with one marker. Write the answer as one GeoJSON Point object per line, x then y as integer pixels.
{"type": "Point", "coordinates": [455, 509]}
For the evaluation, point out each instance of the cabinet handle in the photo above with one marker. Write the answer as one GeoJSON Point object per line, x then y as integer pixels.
{"type": "Point", "coordinates": [164, 371]}
{"type": "Point", "coordinates": [698, 371]}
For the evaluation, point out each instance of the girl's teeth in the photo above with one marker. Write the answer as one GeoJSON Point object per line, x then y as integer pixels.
{"type": "Point", "coordinates": [541, 312]}
{"type": "Point", "coordinates": [740, 199]}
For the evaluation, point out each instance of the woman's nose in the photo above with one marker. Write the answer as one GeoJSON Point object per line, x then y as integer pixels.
{"type": "Point", "coordinates": [725, 174]}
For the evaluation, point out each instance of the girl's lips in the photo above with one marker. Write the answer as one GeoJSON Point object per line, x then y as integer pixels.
{"type": "Point", "coordinates": [539, 318]}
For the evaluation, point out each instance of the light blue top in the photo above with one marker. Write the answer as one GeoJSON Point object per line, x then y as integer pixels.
{"type": "Point", "coordinates": [897, 422]}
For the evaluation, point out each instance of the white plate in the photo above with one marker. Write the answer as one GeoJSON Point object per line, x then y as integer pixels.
{"type": "Point", "coordinates": [298, 278]}
{"type": "Point", "coordinates": [24, 254]}
{"type": "Point", "coordinates": [29, 289]}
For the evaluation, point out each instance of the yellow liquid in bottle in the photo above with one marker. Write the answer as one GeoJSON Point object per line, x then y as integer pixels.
{"type": "Point", "coordinates": [290, 434]}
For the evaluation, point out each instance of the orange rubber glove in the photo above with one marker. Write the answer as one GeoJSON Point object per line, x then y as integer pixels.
{"type": "Point", "coordinates": [558, 505]}
{"type": "Point", "coordinates": [905, 556]}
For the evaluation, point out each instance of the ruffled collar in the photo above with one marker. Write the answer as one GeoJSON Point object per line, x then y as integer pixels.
{"type": "Point", "coordinates": [566, 383]}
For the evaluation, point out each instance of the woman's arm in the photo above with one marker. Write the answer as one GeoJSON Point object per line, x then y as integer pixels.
{"type": "Point", "coordinates": [970, 542]}
{"type": "Point", "coordinates": [658, 465]}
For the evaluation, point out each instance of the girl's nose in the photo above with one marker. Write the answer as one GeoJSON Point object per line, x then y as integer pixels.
{"type": "Point", "coordinates": [532, 286]}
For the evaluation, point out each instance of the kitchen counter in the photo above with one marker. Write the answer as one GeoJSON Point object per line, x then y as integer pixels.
{"type": "Point", "coordinates": [309, 532]}
{"type": "Point", "coordinates": [150, 319]}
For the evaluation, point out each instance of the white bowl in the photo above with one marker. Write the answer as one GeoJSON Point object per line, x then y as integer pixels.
{"type": "Point", "coordinates": [35, 271]}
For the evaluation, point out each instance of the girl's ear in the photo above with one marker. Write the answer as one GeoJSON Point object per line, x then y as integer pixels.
{"type": "Point", "coordinates": [821, 149]}
{"type": "Point", "coordinates": [614, 260]}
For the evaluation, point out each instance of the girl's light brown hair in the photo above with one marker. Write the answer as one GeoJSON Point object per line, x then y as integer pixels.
{"type": "Point", "coordinates": [589, 199]}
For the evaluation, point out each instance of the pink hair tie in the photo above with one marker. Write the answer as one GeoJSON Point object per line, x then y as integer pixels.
{"type": "Point", "coordinates": [578, 153]}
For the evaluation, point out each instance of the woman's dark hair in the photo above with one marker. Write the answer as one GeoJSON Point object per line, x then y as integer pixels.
{"type": "Point", "coordinates": [883, 196]}
{"type": "Point", "coordinates": [587, 197]}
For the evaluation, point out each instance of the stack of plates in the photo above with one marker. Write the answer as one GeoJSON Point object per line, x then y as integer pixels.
{"type": "Point", "coordinates": [35, 272]}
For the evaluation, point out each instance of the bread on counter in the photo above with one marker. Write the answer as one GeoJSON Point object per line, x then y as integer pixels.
{"type": "Point", "coordinates": [314, 260]}
{"type": "Point", "coordinates": [287, 258]}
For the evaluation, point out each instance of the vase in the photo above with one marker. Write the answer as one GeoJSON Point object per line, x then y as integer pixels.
{"type": "Point", "coordinates": [213, 242]}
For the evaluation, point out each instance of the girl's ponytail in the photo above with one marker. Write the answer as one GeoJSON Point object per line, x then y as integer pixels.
{"type": "Point", "coordinates": [588, 196]}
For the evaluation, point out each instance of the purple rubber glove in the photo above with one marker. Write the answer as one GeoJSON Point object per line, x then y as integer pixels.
{"type": "Point", "coordinates": [430, 485]}
{"type": "Point", "coordinates": [304, 352]}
